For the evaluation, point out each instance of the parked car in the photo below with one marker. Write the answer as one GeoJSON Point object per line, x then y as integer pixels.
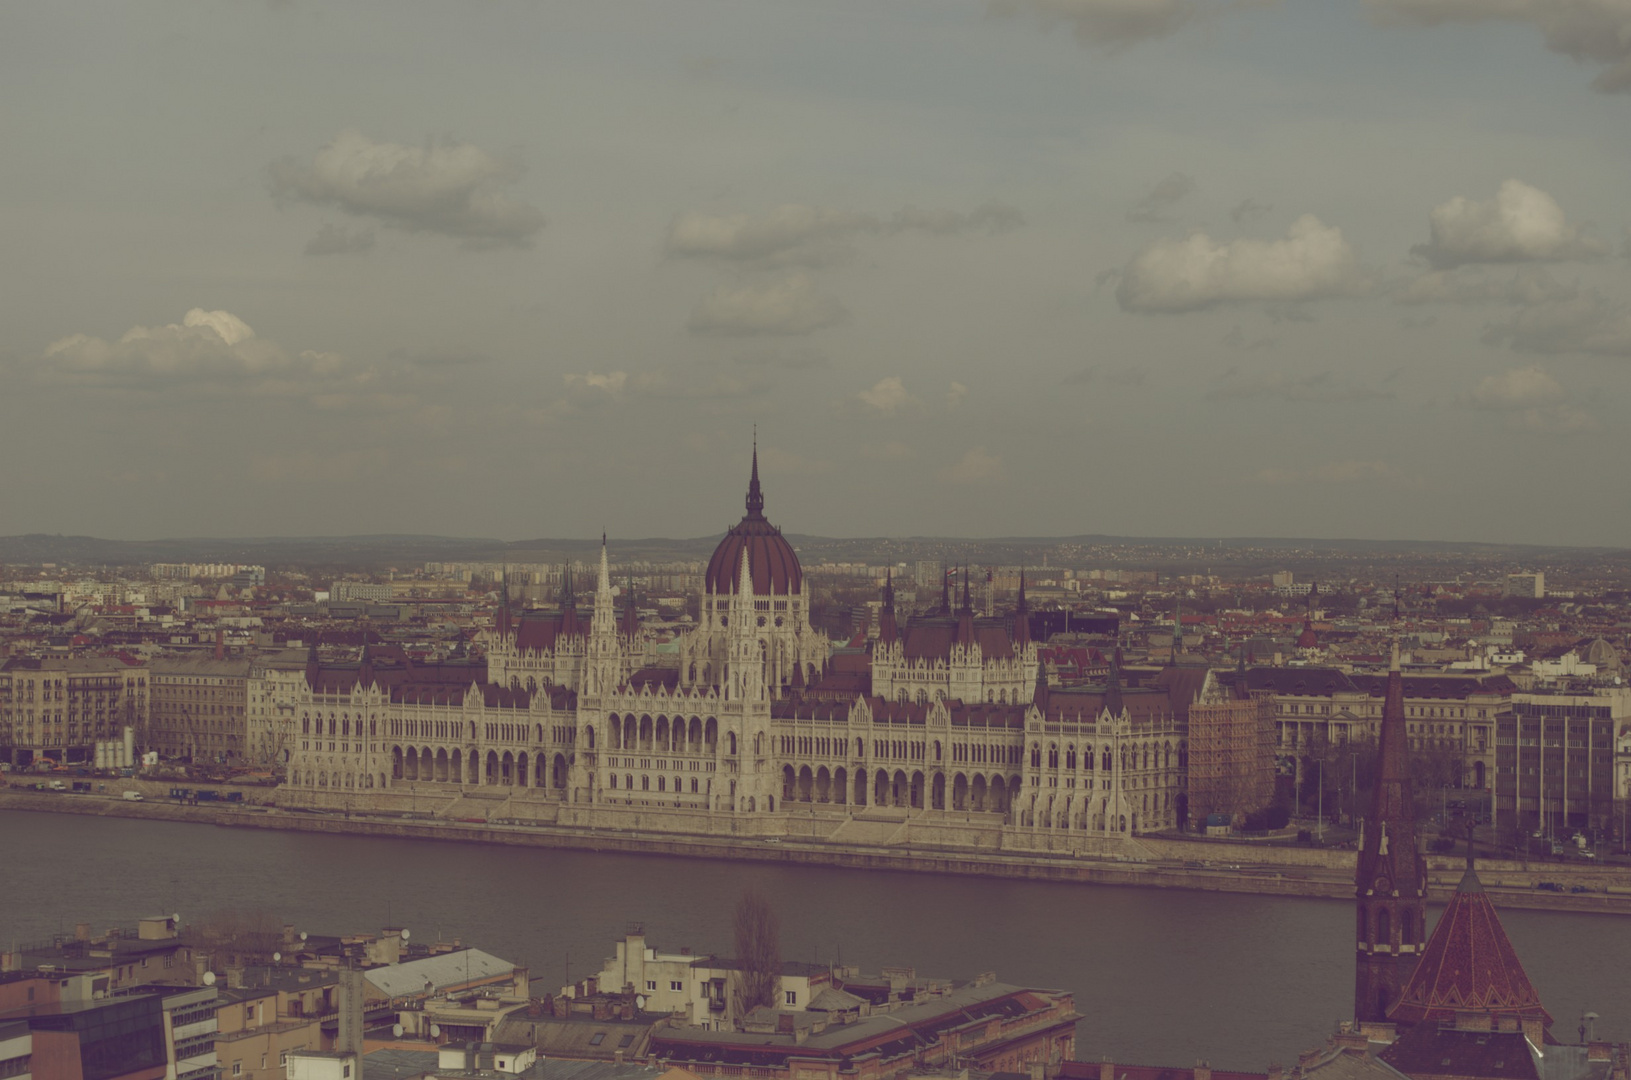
{"type": "Point", "coordinates": [57, 785]}
{"type": "Point", "coordinates": [133, 796]}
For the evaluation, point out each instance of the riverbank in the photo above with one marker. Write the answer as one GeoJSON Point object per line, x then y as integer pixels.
{"type": "Point", "coordinates": [1170, 864]}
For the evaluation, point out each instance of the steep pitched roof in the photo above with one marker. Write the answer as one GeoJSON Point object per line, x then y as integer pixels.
{"type": "Point", "coordinates": [1468, 964]}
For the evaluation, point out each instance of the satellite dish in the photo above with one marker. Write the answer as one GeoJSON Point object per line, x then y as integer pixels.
{"type": "Point", "coordinates": [436, 1031]}
{"type": "Point", "coordinates": [176, 918]}
{"type": "Point", "coordinates": [396, 1030]}
{"type": "Point", "coordinates": [640, 1002]}
{"type": "Point", "coordinates": [404, 934]}
{"type": "Point", "coordinates": [209, 978]}
{"type": "Point", "coordinates": [302, 935]}
{"type": "Point", "coordinates": [277, 958]}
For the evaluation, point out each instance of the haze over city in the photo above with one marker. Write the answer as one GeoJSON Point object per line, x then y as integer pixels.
{"type": "Point", "coordinates": [1025, 267]}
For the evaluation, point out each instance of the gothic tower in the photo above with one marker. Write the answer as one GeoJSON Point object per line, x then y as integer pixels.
{"type": "Point", "coordinates": [1390, 877]}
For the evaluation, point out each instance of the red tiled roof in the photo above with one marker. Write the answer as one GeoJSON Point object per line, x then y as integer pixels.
{"type": "Point", "coordinates": [1468, 964]}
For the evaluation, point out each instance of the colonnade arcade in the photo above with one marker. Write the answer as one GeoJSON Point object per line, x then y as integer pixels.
{"type": "Point", "coordinates": [916, 790]}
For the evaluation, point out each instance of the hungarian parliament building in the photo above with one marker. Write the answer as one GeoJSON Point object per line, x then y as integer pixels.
{"type": "Point", "coordinates": [756, 725]}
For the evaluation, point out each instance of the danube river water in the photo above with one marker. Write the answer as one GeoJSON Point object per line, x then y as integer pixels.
{"type": "Point", "coordinates": [1160, 976]}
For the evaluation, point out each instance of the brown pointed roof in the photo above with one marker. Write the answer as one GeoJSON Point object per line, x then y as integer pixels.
{"type": "Point", "coordinates": [1468, 965]}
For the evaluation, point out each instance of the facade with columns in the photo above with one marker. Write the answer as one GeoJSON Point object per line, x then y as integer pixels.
{"type": "Point", "coordinates": [752, 729]}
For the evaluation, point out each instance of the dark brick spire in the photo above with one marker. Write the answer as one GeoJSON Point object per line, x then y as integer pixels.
{"type": "Point", "coordinates": [1390, 876]}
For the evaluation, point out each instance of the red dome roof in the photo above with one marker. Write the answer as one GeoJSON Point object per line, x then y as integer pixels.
{"type": "Point", "coordinates": [774, 566]}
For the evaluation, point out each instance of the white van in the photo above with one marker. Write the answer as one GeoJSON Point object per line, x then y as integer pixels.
{"type": "Point", "coordinates": [133, 796]}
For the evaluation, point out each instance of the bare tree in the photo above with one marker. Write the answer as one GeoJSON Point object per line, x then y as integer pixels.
{"type": "Point", "coordinates": [758, 953]}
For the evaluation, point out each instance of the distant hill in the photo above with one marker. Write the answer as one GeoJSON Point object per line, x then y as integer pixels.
{"type": "Point", "coordinates": [410, 550]}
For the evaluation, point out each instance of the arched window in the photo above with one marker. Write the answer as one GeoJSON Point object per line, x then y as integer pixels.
{"type": "Point", "coordinates": [645, 783]}
{"type": "Point", "coordinates": [1036, 756]}
{"type": "Point", "coordinates": [613, 780]}
{"type": "Point", "coordinates": [1384, 927]}
{"type": "Point", "coordinates": [1053, 755]}
{"type": "Point", "coordinates": [730, 743]}
{"type": "Point", "coordinates": [1070, 756]}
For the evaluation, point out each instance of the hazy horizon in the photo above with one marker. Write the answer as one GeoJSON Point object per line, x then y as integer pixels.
{"type": "Point", "coordinates": [1142, 268]}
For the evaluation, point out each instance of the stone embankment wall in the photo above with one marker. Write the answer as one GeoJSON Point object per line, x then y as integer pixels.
{"type": "Point", "coordinates": [1154, 862]}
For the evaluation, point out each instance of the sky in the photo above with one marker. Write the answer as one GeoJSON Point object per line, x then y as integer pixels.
{"type": "Point", "coordinates": [1201, 268]}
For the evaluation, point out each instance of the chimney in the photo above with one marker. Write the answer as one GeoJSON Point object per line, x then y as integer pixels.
{"type": "Point", "coordinates": [591, 985]}
{"type": "Point", "coordinates": [784, 1023]}
{"type": "Point", "coordinates": [82, 931]}
{"type": "Point", "coordinates": [1203, 1071]}
{"type": "Point", "coordinates": [1599, 1050]}
{"type": "Point", "coordinates": [1275, 1072]}
{"type": "Point", "coordinates": [1107, 1071]}
{"type": "Point", "coordinates": [602, 1011]}
{"type": "Point", "coordinates": [220, 643]}
{"type": "Point", "coordinates": [627, 1011]}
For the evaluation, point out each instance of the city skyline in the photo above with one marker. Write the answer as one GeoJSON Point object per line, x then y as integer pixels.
{"type": "Point", "coordinates": [1027, 267]}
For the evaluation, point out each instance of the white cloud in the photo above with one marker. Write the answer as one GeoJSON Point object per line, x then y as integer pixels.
{"type": "Point", "coordinates": [976, 467]}
{"type": "Point", "coordinates": [1585, 323]}
{"type": "Point", "coordinates": [1472, 285]}
{"type": "Point", "coordinates": [802, 235]}
{"type": "Point", "coordinates": [1336, 472]}
{"type": "Point", "coordinates": [887, 396]}
{"type": "Point", "coordinates": [1520, 224]}
{"type": "Point", "coordinates": [1595, 31]}
{"type": "Point", "coordinates": [694, 383]}
{"type": "Point", "coordinates": [334, 239]}
{"type": "Point", "coordinates": [1533, 402]}
{"type": "Point", "coordinates": [1313, 262]}
{"type": "Point", "coordinates": [1519, 388]}
{"type": "Point", "coordinates": [785, 306]}
{"type": "Point", "coordinates": [1158, 204]}
{"type": "Point", "coordinates": [206, 350]}
{"type": "Point", "coordinates": [445, 187]}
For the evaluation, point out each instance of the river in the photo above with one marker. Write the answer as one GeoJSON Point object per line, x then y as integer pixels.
{"type": "Point", "coordinates": [1160, 976]}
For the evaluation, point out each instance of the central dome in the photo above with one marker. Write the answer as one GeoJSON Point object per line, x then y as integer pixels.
{"type": "Point", "coordinates": [774, 566]}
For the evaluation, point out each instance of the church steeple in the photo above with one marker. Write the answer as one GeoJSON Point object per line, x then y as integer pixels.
{"type": "Point", "coordinates": [1022, 618]}
{"type": "Point", "coordinates": [1390, 874]}
{"type": "Point", "coordinates": [965, 617]}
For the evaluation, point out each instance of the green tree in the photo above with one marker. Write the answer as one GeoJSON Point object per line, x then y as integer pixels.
{"type": "Point", "coordinates": [758, 953]}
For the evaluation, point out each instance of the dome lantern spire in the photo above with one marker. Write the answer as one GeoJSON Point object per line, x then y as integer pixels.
{"type": "Point", "coordinates": [756, 497]}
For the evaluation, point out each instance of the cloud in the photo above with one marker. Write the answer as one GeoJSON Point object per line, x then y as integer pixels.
{"type": "Point", "coordinates": [1320, 387]}
{"type": "Point", "coordinates": [1586, 323]}
{"type": "Point", "coordinates": [1336, 472]}
{"type": "Point", "coordinates": [446, 187]}
{"type": "Point", "coordinates": [1313, 262]}
{"type": "Point", "coordinates": [887, 396]}
{"type": "Point", "coordinates": [786, 306]}
{"type": "Point", "coordinates": [1472, 285]}
{"type": "Point", "coordinates": [1520, 224]}
{"type": "Point", "coordinates": [1519, 388]}
{"type": "Point", "coordinates": [1248, 210]}
{"type": "Point", "coordinates": [801, 235]}
{"type": "Point", "coordinates": [338, 240]}
{"type": "Point", "coordinates": [1113, 24]}
{"type": "Point", "coordinates": [1157, 205]}
{"type": "Point", "coordinates": [207, 350]}
{"type": "Point", "coordinates": [955, 395]}
{"type": "Point", "coordinates": [1533, 402]}
{"type": "Point", "coordinates": [976, 467]}
{"type": "Point", "coordinates": [439, 359]}
{"type": "Point", "coordinates": [1593, 31]}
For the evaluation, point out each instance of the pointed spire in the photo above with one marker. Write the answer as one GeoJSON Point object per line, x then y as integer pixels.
{"type": "Point", "coordinates": [744, 580]}
{"type": "Point", "coordinates": [1112, 685]}
{"type": "Point", "coordinates": [631, 615]}
{"type": "Point", "coordinates": [756, 497]}
{"type": "Point", "coordinates": [968, 600]}
{"type": "Point", "coordinates": [1039, 696]}
{"type": "Point", "coordinates": [1022, 618]}
{"type": "Point", "coordinates": [604, 584]}
{"type": "Point", "coordinates": [888, 629]}
{"type": "Point", "coordinates": [945, 591]}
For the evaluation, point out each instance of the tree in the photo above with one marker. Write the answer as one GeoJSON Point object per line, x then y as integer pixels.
{"type": "Point", "coordinates": [232, 936]}
{"type": "Point", "coordinates": [758, 953]}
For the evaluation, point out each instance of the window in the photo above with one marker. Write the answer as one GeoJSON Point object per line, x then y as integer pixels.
{"type": "Point", "coordinates": [792, 997]}
{"type": "Point", "coordinates": [237, 1068]}
{"type": "Point", "coordinates": [651, 985]}
{"type": "Point", "coordinates": [597, 1038]}
{"type": "Point", "coordinates": [676, 985]}
{"type": "Point", "coordinates": [283, 1058]}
